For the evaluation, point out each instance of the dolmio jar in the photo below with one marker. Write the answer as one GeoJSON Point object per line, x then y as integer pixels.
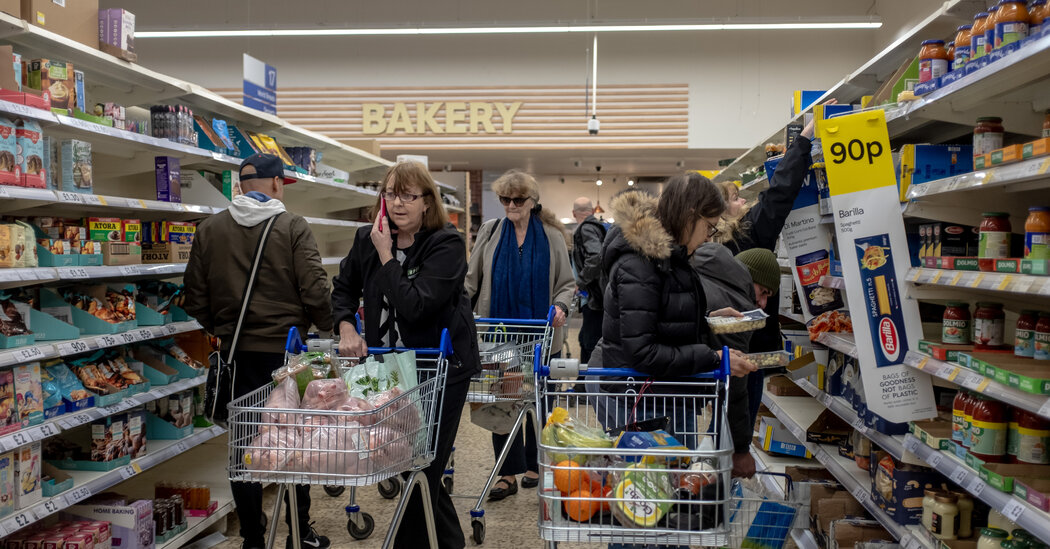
{"type": "Point", "coordinates": [956, 327]}
{"type": "Point", "coordinates": [994, 240]}
{"type": "Point", "coordinates": [988, 326]}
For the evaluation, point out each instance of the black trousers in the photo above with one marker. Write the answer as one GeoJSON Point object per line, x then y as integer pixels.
{"type": "Point", "coordinates": [590, 332]}
{"type": "Point", "coordinates": [253, 371]}
{"type": "Point", "coordinates": [412, 533]}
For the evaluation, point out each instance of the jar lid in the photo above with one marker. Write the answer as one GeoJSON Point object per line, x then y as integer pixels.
{"type": "Point", "coordinates": [959, 304]}
{"type": "Point", "coordinates": [991, 532]}
{"type": "Point", "coordinates": [995, 119]}
{"type": "Point", "coordinates": [993, 8]}
{"type": "Point", "coordinates": [995, 214]}
{"type": "Point", "coordinates": [980, 15]}
{"type": "Point", "coordinates": [946, 498]}
{"type": "Point", "coordinates": [1039, 209]}
{"type": "Point", "coordinates": [928, 42]}
{"type": "Point", "coordinates": [951, 44]}
{"type": "Point", "coordinates": [930, 493]}
{"type": "Point", "coordinates": [1012, 2]}
{"type": "Point", "coordinates": [1029, 312]}
{"type": "Point", "coordinates": [965, 27]}
{"type": "Point", "coordinates": [1020, 533]}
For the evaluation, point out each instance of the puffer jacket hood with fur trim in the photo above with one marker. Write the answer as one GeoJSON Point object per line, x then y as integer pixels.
{"type": "Point", "coordinates": [635, 215]}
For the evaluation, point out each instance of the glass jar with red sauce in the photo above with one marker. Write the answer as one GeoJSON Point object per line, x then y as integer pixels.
{"type": "Point", "coordinates": [1024, 334]}
{"type": "Point", "coordinates": [988, 135]}
{"type": "Point", "coordinates": [1028, 440]}
{"type": "Point", "coordinates": [988, 326]}
{"type": "Point", "coordinates": [1042, 337]}
{"type": "Point", "coordinates": [994, 241]}
{"type": "Point", "coordinates": [968, 406]}
{"type": "Point", "coordinates": [956, 328]}
{"type": "Point", "coordinates": [959, 416]}
{"type": "Point", "coordinates": [933, 60]}
{"type": "Point", "coordinates": [989, 430]}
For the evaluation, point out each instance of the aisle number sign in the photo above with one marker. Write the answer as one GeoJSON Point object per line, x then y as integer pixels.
{"type": "Point", "coordinates": [260, 85]}
{"type": "Point", "coordinates": [875, 261]}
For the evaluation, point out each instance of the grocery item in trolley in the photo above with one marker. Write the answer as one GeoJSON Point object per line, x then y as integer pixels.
{"type": "Point", "coordinates": [563, 431]}
{"type": "Point", "coordinates": [771, 359]}
{"type": "Point", "coordinates": [751, 321]}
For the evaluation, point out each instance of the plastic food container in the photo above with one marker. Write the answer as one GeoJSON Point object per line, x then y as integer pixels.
{"type": "Point", "coordinates": [772, 359]}
{"type": "Point", "coordinates": [751, 321]}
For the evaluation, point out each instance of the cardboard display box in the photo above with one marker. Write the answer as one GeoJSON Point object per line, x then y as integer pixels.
{"type": "Point", "coordinates": [74, 19]}
{"type": "Point", "coordinates": [846, 533]}
{"type": "Point", "coordinates": [165, 252]}
{"type": "Point", "coordinates": [121, 253]}
{"type": "Point", "coordinates": [782, 386]}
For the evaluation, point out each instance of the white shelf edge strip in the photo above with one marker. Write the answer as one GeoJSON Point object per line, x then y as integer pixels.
{"type": "Point", "coordinates": [841, 408]}
{"type": "Point", "coordinates": [93, 342]}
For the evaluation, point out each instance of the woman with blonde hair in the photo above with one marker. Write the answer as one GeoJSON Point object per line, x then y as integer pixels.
{"type": "Point", "coordinates": [519, 268]}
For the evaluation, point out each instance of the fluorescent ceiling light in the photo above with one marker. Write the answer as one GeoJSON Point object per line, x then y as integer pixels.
{"type": "Point", "coordinates": [873, 23]}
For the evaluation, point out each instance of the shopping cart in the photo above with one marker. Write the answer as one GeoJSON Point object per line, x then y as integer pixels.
{"type": "Point", "coordinates": [638, 493]}
{"type": "Point", "coordinates": [342, 448]}
{"type": "Point", "coordinates": [509, 347]}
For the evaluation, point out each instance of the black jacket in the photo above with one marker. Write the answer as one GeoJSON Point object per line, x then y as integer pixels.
{"type": "Point", "coordinates": [765, 220]}
{"type": "Point", "coordinates": [426, 294]}
{"type": "Point", "coordinates": [727, 283]}
{"type": "Point", "coordinates": [587, 259]}
{"type": "Point", "coordinates": [654, 303]}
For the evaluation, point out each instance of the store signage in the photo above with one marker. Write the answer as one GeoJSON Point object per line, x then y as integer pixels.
{"type": "Point", "coordinates": [875, 260]}
{"type": "Point", "coordinates": [260, 85]}
{"type": "Point", "coordinates": [441, 117]}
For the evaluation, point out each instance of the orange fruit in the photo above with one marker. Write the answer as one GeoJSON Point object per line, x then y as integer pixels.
{"type": "Point", "coordinates": [605, 504]}
{"type": "Point", "coordinates": [582, 510]}
{"type": "Point", "coordinates": [570, 477]}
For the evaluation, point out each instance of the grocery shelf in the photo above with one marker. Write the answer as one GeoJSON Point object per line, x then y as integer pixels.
{"type": "Point", "coordinates": [836, 282]}
{"type": "Point", "coordinates": [86, 344]}
{"type": "Point", "coordinates": [1029, 286]}
{"type": "Point", "coordinates": [36, 275]}
{"type": "Point", "coordinates": [999, 177]}
{"type": "Point", "coordinates": [334, 226]}
{"type": "Point", "coordinates": [964, 377]}
{"type": "Point", "coordinates": [66, 422]}
{"type": "Point", "coordinates": [892, 444]}
{"type": "Point", "coordinates": [454, 209]}
{"type": "Point", "coordinates": [197, 525]}
{"type": "Point", "coordinates": [796, 413]}
{"type": "Point", "coordinates": [88, 483]}
{"type": "Point", "coordinates": [841, 342]}
{"type": "Point", "coordinates": [1026, 516]}
{"type": "Point", "coordinates": [20, 199]}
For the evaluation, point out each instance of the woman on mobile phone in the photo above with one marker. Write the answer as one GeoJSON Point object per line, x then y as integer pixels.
{"type": "Point", "coordinates": [411, 279]}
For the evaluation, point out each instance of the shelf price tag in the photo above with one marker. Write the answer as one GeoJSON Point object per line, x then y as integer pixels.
{"type": "Point", "coordinates": [935, 459]}
{"type": "Point", "coordinates": [1005, 282]}
{"type": "Point", "coordinates": [74, 347]}
{"type": "Point", "coordinates": [77, 273]}
{"type": "Point", "coordinates": [145, 334]}
{"type": "Point", "coordinates": [959, 475]}
{"type": "Point", "coordinates": [171, 329]}
{"type": "Point", "coordinates": [1013, 509]}
{"type": "Point", "coordinates": [28, 354]}
{"type": "Point", "coordinates": [911, 444]}
{"type": "Point", "coordinates": [861, 494]}
{"type": "Point", "coordinates": [955, 278]}
{"type": "Point", "coordinates": [936, 276]}
{"type": "Point", "coordinates": [78, 419]}
{"type": "Point", "coordinates": [106, 341]}
{"type": "Point", "coordinates": [975, 486]}
{"type": "Point", "coordinates": [21, 520]}
{"type": "Point", "coordinates": [128, 337]}
{"type": "Point", "coordinates": [129, 471]}
{"type": "Point", "coordinates": [1044, 410]}
{"type": "Point", "coordinates": [54, 504]}
{"type": "Point", "coordinates": [92, 200]}
{"type": "Point", "coordinates": [46, 430]}
{"type": "Point", "coordinates": [130, 270]}
{"type": "Point", "coordinates": [78, 494]}
{"type": "Point", "coordinates": [977, 280]}
{"type": "Point", "coordinates": [825, 399]}
{"type": "Point", "coordinates": [72, 198]}
{"type": "Point", "coordinates": [181, 447]}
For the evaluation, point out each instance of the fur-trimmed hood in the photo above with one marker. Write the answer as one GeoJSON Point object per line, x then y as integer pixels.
{"type": "Point", "coordinates": [635, 216]}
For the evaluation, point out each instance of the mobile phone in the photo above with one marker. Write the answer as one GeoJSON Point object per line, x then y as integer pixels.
{"type": "Point", "coordinates": [389, 220]}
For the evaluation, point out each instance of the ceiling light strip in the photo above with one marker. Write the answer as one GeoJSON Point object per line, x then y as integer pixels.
{"type": "Point", "coordinates": [272, 33]}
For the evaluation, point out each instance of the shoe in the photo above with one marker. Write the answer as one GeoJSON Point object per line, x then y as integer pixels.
{"type": "Point", "coordinates": [529, 482]}
{"type": "Point", "coordinates": [310, 540]}
{"type": "Point", "coordinates": [499, 492]}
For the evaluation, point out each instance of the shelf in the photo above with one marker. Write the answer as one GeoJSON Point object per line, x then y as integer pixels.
{"type": "Point", "coordinates": [86, 344]}
{"type": "Point", "coordinates": [836, 282]}
{"type": "Point", "coordinates": [838, 406]}
{"type": "Point", "coordinates": [1020, 512]}
{"type": "Point", "coordinates": [199, 525]}
{"type": "Point", "coordinates": [793, 316]}
{"type": "Point", "coordinates": [796, 413]}
{"type": "Point", "coordinates": [1000, 283]}
{"type": "Point", "coordinates": [1003, 177]}
{"type": "Point", "coordinates": [454, 209]}
{"type": "Point", "coordinates": [88, 483]}
{"type": "Point", "coordinates": [964, 377]}
{"type": "Point", "coordinates": [35, 275]}
{"type": "Point", "coordinates": [69, 421]}
{"type": "Point", "coordinates": [843, 343]}
{"type": "Point", "coordinates": [764, 462]}
{"type": "Point", "coordinates": [19, 199]}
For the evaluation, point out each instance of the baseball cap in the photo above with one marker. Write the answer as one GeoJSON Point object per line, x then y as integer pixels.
{"type": "Point", "coordinates": [266, 166]}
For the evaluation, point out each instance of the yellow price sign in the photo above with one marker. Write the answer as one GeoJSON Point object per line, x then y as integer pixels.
{"type": "Point", "coordinates": [857, 152]}
{"type": "Point", "coordinates": [922, 363]}
{"type": "Point", "coordinates": [954, 374]}
{"type": "Point", "coordinates": [983, 385]}
{"type": "Point", "coordinates": [142, 204]}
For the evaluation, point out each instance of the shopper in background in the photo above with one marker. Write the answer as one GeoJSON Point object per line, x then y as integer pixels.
{"type": "Point", "coordinates": [759, 227]}
{"type": "Point", "coordinates": [409, 267]}
{"type": "Point", "coordinates": [765, 274]}
{"type": "Point", "coordinates": [291, 289]}
{"type": "Point", "coordinates": [519, 268]}
{"type": "Point", "coordinates": [587, 259]}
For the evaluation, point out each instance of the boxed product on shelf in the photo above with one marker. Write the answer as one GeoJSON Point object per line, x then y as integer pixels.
{"type": "Point", "coordinates": [828, 428]}
{"type": "Point", "coordinates": [137, 432]}
{"type": "Point", "coordinates": [833, 504]}
{"type": "Point", "coordinates": [121, 253]}
{"type": "Point", "coordinates": [947, 352]}
{"type": "Point", "coordinates": [1034, 490]}
{"type": "Point", "coordinates": [1006, 155]}
{"type": "Point", "coordinates": [9, 168]}
{"type": "Point", "coordinates": [169, 188]}
{"type": "Point", "coordinates": [56, 79]}
{"type": "Point", "coordinates": [81, 93]}
{"type": "Point", "coordinates": [777, 439]}
{"type": "Point", "coordinates": [91, 253]}
{"type": "Point", "coordinates": [73, 391]}
{"type": "Point", "coordinates": [897, 487]}
{"type": "Point", "coordinates": [105, 229]}
{"type": "Point", "coordinates": [8, 480]}
{"type": "Point", "coordinates": [1020, 373]}
{"type": "Point", "coordinates": [1002, 476]}
{"type": "Point", "coordinates": [165, 252]}
{"type": "Point", "coordinates": [28, 490]}
{"type": "Point", "coordinates": [76, 166]}
{"type": "Point", "coordinates": [54, 481]}
{"type": "Point", "coordinates": [131, 523]}
{"type": "Point", "coordinates": [132, 229]}
{"type": "Point", "coordinates": [845, 533]}
{"type": "Point", "coordinates": [1032, 149]}
{"type": "Point", "coordinates": [922, 163]}
{"type": "Point", "coordinates": [14, 332]}
{"type": "Point", "coordinates": [17, 238]}
{"type": "Point", "coordinates": [30, 143]}
{"type": "Point", "coordinates": [782, 386]}
{"type": "Point", "coordinates": [28, 394]}
{"type": "Point", "coordinates": [74, 20]}
{"type": "Point", "coordinates": [28, 244]}
{"type": "Point", "coordinates": [9, 420]}
{"type": "Point", "coordinates": [55, 253]}
{"type": "Point", "coordinates": [169, 231]}
{"type": "Point", "coordinates": [116, 27]}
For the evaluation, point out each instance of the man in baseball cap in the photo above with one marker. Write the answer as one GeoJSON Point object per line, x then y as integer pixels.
{"type": "Point", "coordinates": [258, 168]}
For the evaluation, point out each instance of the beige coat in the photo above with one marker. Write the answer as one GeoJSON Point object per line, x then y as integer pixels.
{"type": "Point", "coordinates": [479, 271]}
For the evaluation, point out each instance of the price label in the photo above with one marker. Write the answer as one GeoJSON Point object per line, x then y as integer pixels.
{"type": "Point", "coordinates": [92, 200]}
{"type": "Point", "coordinates": [936, 276]}
{"type": "Point", "coordinates": [78, 494]}
{"type": "Point", "coordinates": [77, 273]}
{"type": "Point", "coordinates": [1005, 282]}
{"type": "Point", "coordinates": [80, 419]}
{"type": "Point", "coordinates": [922, 363]}
{"type": "Point", "coordinates": [1044, 410]}
{"type": "Point", "coordinates": [983, 385]}
{"type": "Point", "coordinates": [145, 334]}
{"type": "Point", "coordinates": [976, 486]}
{"type": "Point", "coordinates": [141, 203]}
{"type": "Point", "coordinates": [21, 520]}
{"type": "Point", "coordinates": [171, 329]}
{"type": "Point", "coordinates": [129, 471]}
{"type": "Point", "coordinates": [861, 494]}
{"type": "Point", "coordinates": [53, 505]}
{"type": "Point", "coordinates": [799, 433]}
{"type": "Point", "coordinates": [73, 347]}
{"type": "Point", "coordinates": [106, 341]}
{"type": "Point", "coordinates": [935, 460]}
{"type": "Point", "coordinates": [47, 430]}
{"type": "Point", "coordinates": [4, 193]}
{"type": "Point", "coordinates": [911, 444]}
{"type": "Point", "coordinates": [910, 542]}
{"type": "Point", "coordinates": [955, 278]}
{"type": "Point", "coordinates": [21, 438]}
{"type": "Point", "coordinates": [914, 275]}
{"type": "Point", "coordinates": [958, 475]}
{"type": "Point", "coordinates": [128, 337]}
{"type": "Point", "coordinates": [113, 409]}
{"type": "Point", "coordinates": [954, 373]}
{"type": "Point", "coordinates": [181, 447]}
{"type": "Point", "coordinates": [858, 424]}
{"type": "Point", "coordinates": [29, 353]}
{"type": "Point", "coordinates": [130, 270]}
{"type": "Point", "coordinates": [825, 399]}
{"type": "Point", "coordinates": [72, 198]}
{"type": "Point", "coordinates": [1013, 510]}
{"type": "Point", "coordinates": [1045, 290]}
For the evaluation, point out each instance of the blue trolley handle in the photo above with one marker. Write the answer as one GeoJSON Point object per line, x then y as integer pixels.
{"type": "Point", "coordinates": [721, 372]}
{"type": "Point", "coordinates": [294, 345]}
{"type": "Point", "coordinates": [522, 321]}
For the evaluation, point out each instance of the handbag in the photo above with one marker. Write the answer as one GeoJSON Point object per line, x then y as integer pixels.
{"type": "Point", "coordinates": [222, 374]}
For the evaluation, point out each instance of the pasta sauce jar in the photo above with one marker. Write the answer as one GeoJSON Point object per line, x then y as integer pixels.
{"type": "Point", "coordinates": [994, 242]}
{"type": "Point", "coordinates": [1029, 438]}
{"type": "Point", "coordinates": [933, 60]}
{"type": "Point", "coordinates": [988, 431]}
{"type": "Point", "coordinates": [1024, 334]}
{"type": "Point", "coordinates": [962, 47]}
{"type": "Point", "coordinates": [988, 326]}
{"type": "Point", "coordinates": [1037, 233]}
{"type": "Point", "coordinates": [956, 328]}
{"type": "Point", "coordinates": [1011, 22]}
{"type": "Point", "coordinates": [988, 135]}
{"type": "Point", "coordinates": [1042, 338]}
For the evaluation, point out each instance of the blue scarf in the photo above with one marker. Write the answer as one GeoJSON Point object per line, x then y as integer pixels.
{"type": "Point", "coordinates": [521, 281]}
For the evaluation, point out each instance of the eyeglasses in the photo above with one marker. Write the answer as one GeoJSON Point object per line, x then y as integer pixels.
{"type": "Point", "coordinates": [518, 201]}
{"type": "Point", "coordinates": [712, 230]}
{"type": "Point", "coordinates": [405, 197]}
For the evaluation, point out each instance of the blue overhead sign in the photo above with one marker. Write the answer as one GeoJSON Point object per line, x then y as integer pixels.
{"type": "Point", "coordinates": [260, 85]}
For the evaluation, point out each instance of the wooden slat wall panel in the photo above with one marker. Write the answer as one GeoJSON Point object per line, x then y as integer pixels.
{"type": "Point", "coordinates": [550, 117]}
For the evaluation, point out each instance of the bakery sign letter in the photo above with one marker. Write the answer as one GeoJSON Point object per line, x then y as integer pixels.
{"type": "Point", "coordinates": [439, 118]}
{"type": "Point", "coordinates": [875, 260]}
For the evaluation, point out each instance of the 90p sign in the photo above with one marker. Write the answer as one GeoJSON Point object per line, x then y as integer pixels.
{"type": "Point", "coordinates": [857, 152]}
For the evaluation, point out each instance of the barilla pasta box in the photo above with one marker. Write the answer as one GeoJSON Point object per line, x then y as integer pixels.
{"type": "Point", "coordinates": [106, 229]}
{"type": "Point", "coordinates": [179, 232]}
{"type": "Point", "coordinates": [30, 155]}
{"type": "Point", "coordinates": [879, 280]}
{"type": "Point", "coordinates": [132, 230]}
{"type": "Point", "coordinates": [169, 188]}
{"type": "Point", "coordinates": [9, 172]}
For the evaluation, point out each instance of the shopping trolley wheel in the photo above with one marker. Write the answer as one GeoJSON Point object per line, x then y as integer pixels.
{"type": "Point", "coordinates": [367, 525]}
{"type": "Point", "coordinates": [447, 481]}
{"type": "Point", "coordinates": [479, 531]}
{"type": "Point", "coordinates": [334, 491]}
{"type": "Point", "coordinates": [389, 488]}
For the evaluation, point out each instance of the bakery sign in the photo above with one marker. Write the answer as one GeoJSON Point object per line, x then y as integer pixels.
{"type": "Point", "coordinates": [441, 117]}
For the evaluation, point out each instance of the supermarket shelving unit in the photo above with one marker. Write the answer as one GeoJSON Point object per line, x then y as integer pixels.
{"type": "Point", "coordinates": [124, 181]}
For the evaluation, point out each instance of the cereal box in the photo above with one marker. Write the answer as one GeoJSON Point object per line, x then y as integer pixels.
{"type": "Point", "coordinates": [8, 411]}
{"type": "Point", "coordinates": [30, 154]}
{"type": "Point", "coordinates": [29, 489]}
{"type": "Point", "coordinates": [169, 188]}
{"type": "Point", "coordinates": [29, 394]}
{"type": "Point", "coordinates": [8, 149]}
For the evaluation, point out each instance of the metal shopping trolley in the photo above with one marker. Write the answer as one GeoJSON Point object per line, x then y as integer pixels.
{"type": "Point", "coordinates": [678, 493]}
{"type": "Point", "coordinates": [509, 347]}
{"type": "Point", "coordinates": [342, 448]}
